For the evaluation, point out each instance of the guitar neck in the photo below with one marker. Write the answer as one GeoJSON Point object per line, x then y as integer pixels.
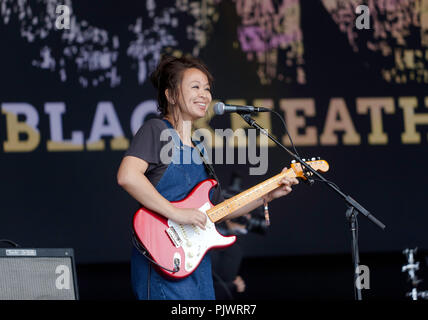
{"type": "Point", "coordinates": [240, 200]}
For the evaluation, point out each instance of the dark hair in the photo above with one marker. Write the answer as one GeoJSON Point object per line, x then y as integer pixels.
{"type": "Point", "coordinates": [168, 75]}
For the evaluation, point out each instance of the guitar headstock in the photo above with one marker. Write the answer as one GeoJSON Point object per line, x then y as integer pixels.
{"type": "Point", "coordinates": [316, 163]}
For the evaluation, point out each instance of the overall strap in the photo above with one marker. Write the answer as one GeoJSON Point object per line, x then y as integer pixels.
{"type": "Point", "coordinates": [201, 148]}
{"type": "Point", "coordinates": [174, 134]}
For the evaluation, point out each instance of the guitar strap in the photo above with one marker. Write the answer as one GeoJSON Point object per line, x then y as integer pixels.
{"type": "Point", "coordinates": [206, 161]}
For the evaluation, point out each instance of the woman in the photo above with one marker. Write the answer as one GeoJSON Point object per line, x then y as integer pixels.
{"type": "Point", "coordinates": [184, 94]}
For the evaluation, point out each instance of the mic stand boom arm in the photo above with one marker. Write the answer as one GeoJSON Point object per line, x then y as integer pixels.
{"type": "Point", "coordinates": [353, 206]}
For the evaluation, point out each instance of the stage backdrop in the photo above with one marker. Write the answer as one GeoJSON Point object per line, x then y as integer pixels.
{"type": "Point", "coordinates": [352, 87]}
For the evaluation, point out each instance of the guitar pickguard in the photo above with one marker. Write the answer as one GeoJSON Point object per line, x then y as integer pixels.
{"type": "Point", "coordinates": [195, 241]}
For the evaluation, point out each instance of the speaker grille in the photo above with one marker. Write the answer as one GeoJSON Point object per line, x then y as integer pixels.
{"type": "Point", "coordinates": [36, 278]}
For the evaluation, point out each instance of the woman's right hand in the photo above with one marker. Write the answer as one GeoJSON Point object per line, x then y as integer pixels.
{"type": "Point", "coordinates": [190, 216]}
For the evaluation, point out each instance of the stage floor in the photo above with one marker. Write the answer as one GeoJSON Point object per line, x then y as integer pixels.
{"type": "Point", "coordinates": [321, 277]}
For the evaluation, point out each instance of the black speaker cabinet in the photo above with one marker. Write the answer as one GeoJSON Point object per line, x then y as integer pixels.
{"type": "Point", "coordinates": [37, 274]}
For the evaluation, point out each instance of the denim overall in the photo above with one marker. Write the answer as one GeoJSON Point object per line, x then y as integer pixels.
{"type": "Point", "coordinates": [180, 177]}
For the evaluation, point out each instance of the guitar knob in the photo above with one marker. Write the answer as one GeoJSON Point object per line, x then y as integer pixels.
{"type": "Point", "coordinates": [189, 265]}
{"type": "Point", "coordinates": [188, 243]}
{"type": "Point", "coordinates": [190, 255]}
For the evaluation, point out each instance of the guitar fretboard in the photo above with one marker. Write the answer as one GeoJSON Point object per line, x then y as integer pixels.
{"type": "Point", "coordinates": [240, 200]}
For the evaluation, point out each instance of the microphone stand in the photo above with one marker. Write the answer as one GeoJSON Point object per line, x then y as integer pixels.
{"type": "Point", "coordinates": [353, 207]}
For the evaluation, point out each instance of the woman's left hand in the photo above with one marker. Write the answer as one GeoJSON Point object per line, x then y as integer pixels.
{"type": "Point", "coordinates": [283, 189]}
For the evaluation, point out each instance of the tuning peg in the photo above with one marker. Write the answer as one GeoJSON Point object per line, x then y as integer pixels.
{"type": "Point", "coordinates": [318, 158]}
{"type": "Point", "coordinates": [304, 159]}
{"type": "Point", "coordinates": [313, 159]}
{"type": "Point", "coordinates": [293, 161]}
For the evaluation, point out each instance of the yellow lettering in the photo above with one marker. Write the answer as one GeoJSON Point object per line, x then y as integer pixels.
{"type": "Point", "coordinates": [338, 119]}
{"type": "Point", "coordinates": [96, 145]}
{"type": "Point", "coordinates": [295, 122]}
{"type": "Point", "coordinates": [262, 118]}
{"type": "Point", "coordinates": [409, 104]}
{"type": "Point", "coordinates": [119, 143]}
{"type": "Point", "coordinates": [375, 106]}
{"type": "Point", "coordinates": [14, 127]}
{"type": "Point", "coordinates": [63, 146]}
{"type": "Point", "coordinates": [236, 123]}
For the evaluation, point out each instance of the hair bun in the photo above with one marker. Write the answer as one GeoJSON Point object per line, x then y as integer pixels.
{"type": "Point", "coordinates": [155, 77]}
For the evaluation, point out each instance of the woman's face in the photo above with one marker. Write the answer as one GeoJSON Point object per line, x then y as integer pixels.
{"type": "Point", "coordinates": [194, 94]}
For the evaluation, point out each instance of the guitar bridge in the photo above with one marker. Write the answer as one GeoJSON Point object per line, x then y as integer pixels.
{"type": "Point", "coordinates": [175, 238]}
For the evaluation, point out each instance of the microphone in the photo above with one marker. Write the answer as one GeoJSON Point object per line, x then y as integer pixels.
{"type": "Point", "coordinates": [221, 108]}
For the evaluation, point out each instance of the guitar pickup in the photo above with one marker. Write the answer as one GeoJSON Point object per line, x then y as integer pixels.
{"type": "Point", "coordinates": [175, 238]}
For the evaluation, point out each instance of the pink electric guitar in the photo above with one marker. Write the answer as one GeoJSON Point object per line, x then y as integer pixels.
{"type": "Point", "coordinates": [179, 248]}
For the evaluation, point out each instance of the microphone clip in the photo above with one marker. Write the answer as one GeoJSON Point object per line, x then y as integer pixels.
{"type": "Point", "coordinates": [247, 117]}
